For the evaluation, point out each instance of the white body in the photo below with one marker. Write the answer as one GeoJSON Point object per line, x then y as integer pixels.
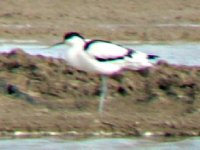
{"type": "Point", "coordinates": [77, 57]}
{"type": "Point", "coordinates": [101, 57]}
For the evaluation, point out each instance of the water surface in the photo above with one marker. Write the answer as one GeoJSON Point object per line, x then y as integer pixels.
{"type": "Point", "coordinates": [97, 144]}
{"type": "Point", "coordinates": [175, 53]}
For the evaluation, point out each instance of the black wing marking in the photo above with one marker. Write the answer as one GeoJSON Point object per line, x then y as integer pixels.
{"type": "Point", "coordinates": [128, 52]}
{"type": "Point", "coordinates": [89, 43]}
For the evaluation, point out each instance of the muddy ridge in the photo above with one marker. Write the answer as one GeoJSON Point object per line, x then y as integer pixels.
{"type": "Point", "coordinates": [44, 94]}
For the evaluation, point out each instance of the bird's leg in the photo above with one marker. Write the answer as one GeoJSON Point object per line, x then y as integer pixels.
{"type": "Point", "coordinates": [103, 92]}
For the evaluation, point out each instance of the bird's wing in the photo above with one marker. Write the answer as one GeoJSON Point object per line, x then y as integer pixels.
{"type": "Point", "coordinates": [106, 51]}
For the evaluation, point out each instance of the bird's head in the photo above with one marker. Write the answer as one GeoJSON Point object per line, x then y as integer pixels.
{"type": "Point", "coordinates": [71, 39]}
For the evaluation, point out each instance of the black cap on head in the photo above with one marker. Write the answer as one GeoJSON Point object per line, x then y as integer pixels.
{"type": "Point", "coordinates": [72, 34]}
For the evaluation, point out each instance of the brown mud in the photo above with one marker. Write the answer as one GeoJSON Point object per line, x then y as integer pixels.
{"type": "Point", "coordinates": [44, 94]}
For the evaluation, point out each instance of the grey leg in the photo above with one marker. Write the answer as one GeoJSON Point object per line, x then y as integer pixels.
{"type": "Point", "coordinates": [103, 92]}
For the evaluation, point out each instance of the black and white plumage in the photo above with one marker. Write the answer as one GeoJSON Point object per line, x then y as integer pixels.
{"type": "Point", "coordinates": [115, 52]}
{"type": "Point", "coordinates": [103, 58]}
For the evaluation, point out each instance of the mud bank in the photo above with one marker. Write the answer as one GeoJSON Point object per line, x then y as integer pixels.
{"type": "Point", "coordinates": [42, 94]}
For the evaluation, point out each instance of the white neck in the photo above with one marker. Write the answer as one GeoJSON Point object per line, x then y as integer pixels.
{"type": "Point", "coordinates": [76, 42]}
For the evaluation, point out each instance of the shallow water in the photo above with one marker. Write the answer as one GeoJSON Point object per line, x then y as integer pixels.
{"type": "Point", "coordinates": [175, 53]}
{"type": "Point", "coordinates": [97, 144]}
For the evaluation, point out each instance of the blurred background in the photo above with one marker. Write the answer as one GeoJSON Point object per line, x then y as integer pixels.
{"type": "Point", "coordinates": [139, 20]}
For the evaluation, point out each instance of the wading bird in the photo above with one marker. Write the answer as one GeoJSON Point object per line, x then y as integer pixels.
{"type": "Point", "coordinates": [103, 58]}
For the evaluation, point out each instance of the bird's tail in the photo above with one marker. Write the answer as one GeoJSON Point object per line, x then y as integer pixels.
{"type": "Point", "coordinates": [140, 60]}
{"type": "Point", "coordinates": [151, 57]}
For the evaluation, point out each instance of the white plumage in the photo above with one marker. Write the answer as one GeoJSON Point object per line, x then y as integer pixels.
{"type": "Point", "coordinates": [102, 57]}
{"type": "Point", "coordinates": [104, 49]}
